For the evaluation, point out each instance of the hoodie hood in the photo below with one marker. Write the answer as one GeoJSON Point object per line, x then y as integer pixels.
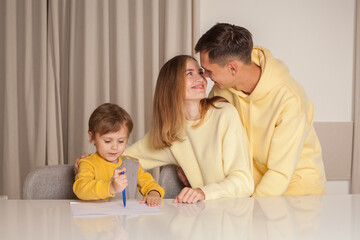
{"type": "Point", "coordinates": [269, 67]}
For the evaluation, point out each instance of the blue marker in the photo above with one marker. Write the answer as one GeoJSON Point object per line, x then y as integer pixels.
{"type": "Point", "coordinates": [124, 194]}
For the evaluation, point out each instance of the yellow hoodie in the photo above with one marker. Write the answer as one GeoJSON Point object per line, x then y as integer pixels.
{"type": "Point", "coordinates": [278, 118]}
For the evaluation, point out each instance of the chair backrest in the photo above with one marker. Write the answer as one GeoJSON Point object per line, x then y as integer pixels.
{"type": "Point", "coordinates": [56, 181]}
{"type": "Point", "coordinates": [170, 181]}
{"type": "Point", "coordinates": [50, 182]}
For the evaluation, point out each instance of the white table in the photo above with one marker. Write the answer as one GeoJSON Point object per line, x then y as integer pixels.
{"type": "Point", "coordinates": [319, 217]}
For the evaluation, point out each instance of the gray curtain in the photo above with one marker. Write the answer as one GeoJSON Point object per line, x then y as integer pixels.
{"type": "Point", "coordinates": [23, 91]}
{"type": "Point", "coordinates": [60, 59]}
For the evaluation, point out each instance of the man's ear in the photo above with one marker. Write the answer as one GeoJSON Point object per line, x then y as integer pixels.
{"type": "Point", "coordinates": [91, 137]}
{"type": "Point", "coordinates": [232, 67]}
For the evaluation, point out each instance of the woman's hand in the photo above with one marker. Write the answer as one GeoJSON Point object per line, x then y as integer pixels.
{"type": "Point", "coordinates": [190, 195]}
{"type": "Point", "coordinates": [152, 199]}
{"type": "Point", "coordinates": [76, 164]}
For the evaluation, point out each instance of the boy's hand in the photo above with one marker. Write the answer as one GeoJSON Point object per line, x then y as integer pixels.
{"type": "Point", "coordinates": [76, 164]}
{"type": "Point", "coordinates": [190, 195]}
{"type": "Point", "coordinates": [152, 199]}
{"type": "Point", "coordinates": [119, 181]}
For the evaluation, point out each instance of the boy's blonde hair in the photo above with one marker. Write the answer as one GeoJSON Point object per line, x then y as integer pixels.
{"type": "Point", "coordinates": [109, 117]}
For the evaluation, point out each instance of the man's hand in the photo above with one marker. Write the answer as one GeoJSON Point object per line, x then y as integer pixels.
{"type": "Point", "coordinates": [182, 177]}
{"type": "Point", "coordinates": [190, 195]}
{"type": "Point", "coordinates": [76, 164]}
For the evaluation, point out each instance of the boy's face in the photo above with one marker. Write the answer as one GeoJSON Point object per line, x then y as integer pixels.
{"type": "Point", "coordinates": [110, 145]}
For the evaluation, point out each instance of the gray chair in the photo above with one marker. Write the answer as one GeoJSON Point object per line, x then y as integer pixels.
{"type": "Point", "coordinates": [170, 181]}
{"type": "Point", "coordinates": [55, 182]}
{"type": "Point", "coordinates": [50, 182]}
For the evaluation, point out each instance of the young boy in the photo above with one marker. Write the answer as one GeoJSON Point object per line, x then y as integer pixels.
{"type": "Point", "coordinates": [99, 175]}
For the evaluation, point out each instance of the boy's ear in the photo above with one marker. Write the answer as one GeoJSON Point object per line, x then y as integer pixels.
{"type": "Point", "coordinates": [91, 137]}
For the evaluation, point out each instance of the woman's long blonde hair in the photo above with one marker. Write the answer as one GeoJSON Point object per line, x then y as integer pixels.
{"type": "Point", "coordinates": [168, 119]}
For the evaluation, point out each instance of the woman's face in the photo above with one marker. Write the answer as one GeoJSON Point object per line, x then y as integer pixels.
{"type": "Point", "coordinates": [195, 82]}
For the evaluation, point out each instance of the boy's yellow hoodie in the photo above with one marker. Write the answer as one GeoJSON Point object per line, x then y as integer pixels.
{"type": "Point", "coordinates": [278, 118]}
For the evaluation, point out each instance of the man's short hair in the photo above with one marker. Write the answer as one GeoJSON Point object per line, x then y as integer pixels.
{"type": "Point", "coordinates": [224, 42]}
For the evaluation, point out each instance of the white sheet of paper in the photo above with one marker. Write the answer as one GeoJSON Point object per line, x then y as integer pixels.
{"type": "Point", "coordinates": [111, 208]}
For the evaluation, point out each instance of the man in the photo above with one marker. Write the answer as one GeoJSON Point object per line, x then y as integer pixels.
{"type": "Point", "coordinates": [273, 107]}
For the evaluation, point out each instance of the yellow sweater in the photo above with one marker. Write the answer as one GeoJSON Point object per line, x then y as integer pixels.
{"type": "Point", "coordinates": [278, 118]}
{"type": "Point", "coordinates": [93, 179]}
{"type": "Point", "coordinates": [214, 156]}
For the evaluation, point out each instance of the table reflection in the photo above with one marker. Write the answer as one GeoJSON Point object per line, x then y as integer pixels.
{"type": "Point", "coordinates": [247, 218]}
{"type": "Point", "coordinates": [215, 219]}
{"type": "Point", "coordinates": [286, 218]}
{"type": "Point", "coordinates": [106, 227]}
{"type": "Point", "coordinates": [204, 220]}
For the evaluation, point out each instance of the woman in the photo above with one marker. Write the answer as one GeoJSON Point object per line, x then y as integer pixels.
{"type": "Point", "coordinates": [202, 136]}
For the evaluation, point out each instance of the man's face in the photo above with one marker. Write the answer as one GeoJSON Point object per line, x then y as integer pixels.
{"type": "Point", "coordinates": [220, 75]}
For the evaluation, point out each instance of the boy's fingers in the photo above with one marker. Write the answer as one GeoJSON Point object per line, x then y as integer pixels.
{"type": "Point", "coordinates": [117, 173]}
{"type": "Point", "coordinates": [121, 170]}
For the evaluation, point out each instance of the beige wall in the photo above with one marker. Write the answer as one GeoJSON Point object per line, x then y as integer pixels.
{"type": "Point", "coordinates": [336, 142]}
